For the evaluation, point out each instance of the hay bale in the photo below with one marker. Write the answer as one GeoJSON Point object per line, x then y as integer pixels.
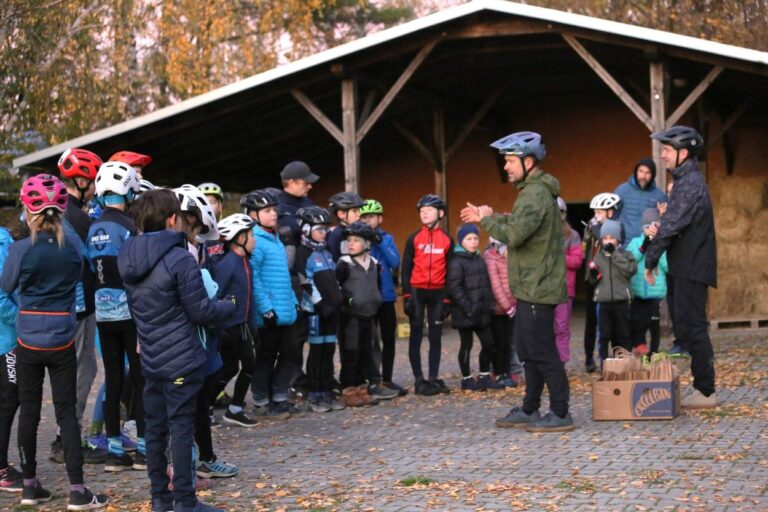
{"type": "Point", "coordinates": [760, 298]}
{"type": "Point", "coordinates": [748, 194]}
{"type": "Point", "coordinates": [758, 230]}
{"type": "Point", "coordinates": [731, 255]}
{"type": "Point", "coordinates": [732, 224]}
{"type": "Point", "coordinates": [733, 297]}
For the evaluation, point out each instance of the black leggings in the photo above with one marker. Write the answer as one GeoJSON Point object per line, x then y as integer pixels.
{"type": "Point", "coordinates": [486, 348]}
{"type": "Point", "coordinates": [203, 436]}
{"type": "Point", "coordinates": [503, 343]}
{"type": "Point", "coordinates": [356, 345]}
{"type": "Point", "coordinates": [320, 366]}
{"type": "Point", "coordinates": [387, 320]}
{"type": "Point", "coordinates": [9, 402]}
{"type": "Point", "coordinates": [432, 301]}
{"type": "Point", "coordinates": [118, 340]}
{"type": "Point", "coordinates": [644, 316]}
{"type": "Point", "coordinates": [237, 354]}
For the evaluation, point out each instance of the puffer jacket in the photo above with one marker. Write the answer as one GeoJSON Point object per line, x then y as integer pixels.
{"type": "Point", "coordinates": [46, 276]}
{"type": "Point", "coordinates": [387, 255]}
{"type": "Point", "coordinates": [359, 287]}
{"type": "Point", "coordinates": [687, 230]}
{"type": "Point", "coordinates": [8, 305]}
{"type": "Point", "coordinates": [469, 290]}
{"type": "Point", "coordinates": [272, 289]}
{"type": "Point", "coordinates": [168, 301]}
{"type": "Point", "coordinates": [233, 274]}
{"type": "Point", "coordinates": [574, 256]}
{"type": "Point", "coordinates": [615, 273]}
{"type": "Point", "coordinates": [640, 287]}
{"type": "Point", "coordinates": [496, 263]}
{"type": "Point", "coordinates": [634, 201]}
{"type": "Point", "coordinates": [534, 237]}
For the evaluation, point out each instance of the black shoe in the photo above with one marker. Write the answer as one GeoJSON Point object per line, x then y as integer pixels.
{"type": "Point", "coordinates": [518, 418]}
{"type": "Point", "coordinates": [401, 391]}
{"type": "Point", "coordinates": [551, 422]}
{"type": "Point", "coordinates": [425, 388]}
{"type": "Point", "coordinates": [92, 454]}
{"type": "Point", "coordinates": [222, 401]}
{"type": "Point", "coordinates": [271, 412]}
{"type": "Point", "coordinates": [86, 500]}
{"type": "Point", "coordinates": [139, 461]}
{"type": "Point", "coordinates": [440, 385]}
{"type": "Point", "coordinates": [162, 506]}
{"type": "Point", "coordinates": [117, 462]}
{"type": "Point", "coordinates": [34, 495]}
{"type": "Point", "coordinates": [591, 367]}
{"type": "Point", "coordinates": [57, 452]}
{"type": "Point", "coordinates": [470, 384]}
{"type": "Point", "coordinates": [487, 382]}
{"type": "Point", "coordinates": [381, 392]}
{"type": "Point", "coordinates": [238, 418]}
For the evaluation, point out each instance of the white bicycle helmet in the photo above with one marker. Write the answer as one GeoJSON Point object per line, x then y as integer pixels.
{"type": "Point", "coordinates": [146, 186]}
{"type": "Point", "coordinates": [604, 201]}
{"type": "Point", "coordinates": [117, 178]}
{"type": "Point", "coordinates": [194, 201]}
{"type": "Point", "coordinates": [230, 227]}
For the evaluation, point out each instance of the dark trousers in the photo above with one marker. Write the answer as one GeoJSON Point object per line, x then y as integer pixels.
{"type": "Point", "coordinates": [691, 328]}
{"type": "Point", "coordinates": [356, 346]}
{"type": "Point", "coordinates": [535, 342]}
{"type": "Point", "coordinates": [275, 364]}
{"type": "Point", "coordinates": [384, 341]}
{"type": "Point", "coordinates": [644, 317]}
{"type": "Point", "coordinates": [502, 328]}
{"type": "Point", "coordinates": [62, 371]}
{"type": "Point", "coordinates": [118, 340]}
{"type": "Point", "coordinates": [485, 334]}
{"type": "Point", "coordinates": [614, 327]}
{"type": "Point", "coordinates": [671, 306]}
{"type": "Point", "coordinates": [237, 355]}
{"type": "Point", "coordinates": [205, 398]}
{"type": "Point", "coordinates": [9, 402]}
{"type": "Point", "coordinates": [320, 366]}
{"type": "Point", "coordinates": [432, 302]}
{"type": "Point", "coordinates": [170, 412]}
{"type": "Point", "coordinates": [590, 325]}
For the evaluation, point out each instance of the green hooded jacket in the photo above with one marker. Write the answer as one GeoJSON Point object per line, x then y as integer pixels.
{"type": "Point", "coordinates": [534, 236]}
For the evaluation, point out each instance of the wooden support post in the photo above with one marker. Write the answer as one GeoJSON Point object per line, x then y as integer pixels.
{"type": "Point", "coordinates": [611, 82]}
{"type": "Point", "coordinates": [318, 114]}
{"type": "Point", "coordinates": [414, 140]}
{"type": "Point", "coordinates": [658, 119]}
{"type": "Point", "coordinates": [728, 123]}
{"type": "Point", "coordinates": [441, 178]}
{"type": "Point", "coordinates": [694, 95]}
{"type": "Point", "coordinates": [351, 148]}
{"type": "Point", "coordinates": [479, 114]}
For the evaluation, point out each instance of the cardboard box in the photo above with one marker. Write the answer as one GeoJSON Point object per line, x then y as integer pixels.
{"type": "Point", "coordinates": [635, 399]}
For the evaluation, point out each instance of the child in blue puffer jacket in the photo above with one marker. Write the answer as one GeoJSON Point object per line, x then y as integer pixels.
{"type": "Point", "coordinates": [275, 312]}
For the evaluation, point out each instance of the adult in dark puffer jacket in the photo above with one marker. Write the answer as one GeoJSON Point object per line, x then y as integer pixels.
{"type": "Point", "coordinates": [469, 289]}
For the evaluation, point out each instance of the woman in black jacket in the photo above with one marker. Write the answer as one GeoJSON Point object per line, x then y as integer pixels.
{"type": "Point", "coordinates": [470, 292]}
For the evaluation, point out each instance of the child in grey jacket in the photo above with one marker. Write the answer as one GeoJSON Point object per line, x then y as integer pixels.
{"type": "Point", "coordinates": [610, 273]}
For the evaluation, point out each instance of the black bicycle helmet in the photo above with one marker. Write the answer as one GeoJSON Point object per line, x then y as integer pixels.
{"type": "Point", "coordinates": [363, 230]}
{"type": "Point", "coordinates": [257, 200]}
{"type": "Point", "coordinates": [345, 201]}
{"type": "Point", "coordinates": [681, 137]}
{"type": "Point", "coordinates": [431, 200]}
{"type": "Point", "coordinates": [313, 216]}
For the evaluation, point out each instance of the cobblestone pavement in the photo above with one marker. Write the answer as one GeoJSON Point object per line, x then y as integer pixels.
{"type": "Point", "coordinates": [444, 453]}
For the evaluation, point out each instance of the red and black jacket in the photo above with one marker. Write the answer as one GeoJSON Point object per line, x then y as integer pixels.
{"type": "Point", "coordinates": [425, 260]}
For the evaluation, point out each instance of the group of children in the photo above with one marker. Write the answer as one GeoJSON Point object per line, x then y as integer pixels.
{"type": "Point", "coordinates": [186, 301]}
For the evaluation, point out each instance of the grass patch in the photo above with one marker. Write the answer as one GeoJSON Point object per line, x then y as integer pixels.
{"type": "Point", "coordinates": [416, 480]}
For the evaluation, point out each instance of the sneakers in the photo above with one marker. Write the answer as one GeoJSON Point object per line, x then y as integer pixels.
{"type": "Point", "coordinates": [216, 469]}
{"type": "Point", "coordinates": [365, 397]}
{"type": "Point", "coordinates": [695, 399]}
{"type": "Point", "coordinates": [642, 349]}
{"type": "Point", "coordinates": [488, 383]}
{"type": "Point", "coordinates": [91, 454]}
{"type": "Point", "coordinates": [551, 422]}
{"type": "Point", "coordinates": [34, 495]}
{"type": "Point", "coordinates": [270, 411]}
{"type": "Point", "coordinates": [518, 418]}
{"type": "Point", "coordinates": [470, 384]}
{"type": "Point", "coordinates": [380, 392]}
{"type": "Point", "coordinates": [117, 462]}
{"type": "Point", "coordinates": [222, 401]}
{"type": "Point", "coordinates": [401, 391]}
{"type": "Point", "coordinates": [298, 409]}
{"type": "Point", "coordinates": [677, 350]}
{"type": "Point", "coordinates": [507, 381]}
{"type": "Point", "coordinates": [57, 452]}
{"type": "Point", "coordinates": [440, 385]}
{"type": "Point", "coordinates": [590, 366]}
{"type": "Point", "coordinates": [334, 401]}
{"type": "Point", "coordinates": [100, 441]}
{"type": "Point", "coordinates": [212, 419]}
{"type": "Point", "coordinates": [238, 418]}
{"type": "Point", "coordinates": [425, 388]}
{"type": "Point", "coordinates": [139, 461]}
{"type": "Point", "coordinates": [11, 480]}
{"type": "Point", "coordinates": [86, 500]}
{"type": "Point", "coordinates": [318, 403]}
{"type": "Point", "coordinates": [129, 444]}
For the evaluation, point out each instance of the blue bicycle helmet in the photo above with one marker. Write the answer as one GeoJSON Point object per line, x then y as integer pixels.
{"type": "Point", "coordinates": [432, 200]}
{"type": "Point", "coordinates": [521, 144]}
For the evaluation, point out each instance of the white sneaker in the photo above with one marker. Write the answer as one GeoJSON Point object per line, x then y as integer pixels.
{"type": "Point", "coordinates": [694, 399]}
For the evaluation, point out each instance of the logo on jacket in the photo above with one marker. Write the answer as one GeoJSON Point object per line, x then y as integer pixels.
{"type": "Point", "coordinates": [100, 239]}
{"type": "Point", "coordinates": [179, 381]}
{"type": "Point", "coordinates": [430, 249]}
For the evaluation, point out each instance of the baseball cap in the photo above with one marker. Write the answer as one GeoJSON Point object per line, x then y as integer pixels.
{"type": "Point", "coordinates": [298, 171]}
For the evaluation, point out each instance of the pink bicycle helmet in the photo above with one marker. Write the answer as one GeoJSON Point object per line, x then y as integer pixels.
{"type": "Point", "coordinates": [43, 191]}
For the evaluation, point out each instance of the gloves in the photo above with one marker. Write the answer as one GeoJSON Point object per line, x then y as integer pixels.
{"type": "Point", "coordinates": [446, 310]}
{"type": "Point", "coordinates": [270, 318]}
{"type": "Point", "coordinates": [645, 244]}
{"type": "Point", "coordinates": [594, 273]}
{"type": "Point", "coordinates": [609, 248]}
{"type": "Point", "coordinates": [408, 305]}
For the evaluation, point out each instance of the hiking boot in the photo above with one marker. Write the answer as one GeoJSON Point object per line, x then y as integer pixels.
{"type": "Point", "coordinates": [440, 385]}
{"type": "Point", "coordinates": [551, 422]}
{"type": "Point", "coordinates": [11, 480]}
{"type": "Point", "coordinates": [367, 399]}
{"type": "Point", "coordinates": [351, 397]}
{"type": "Point", "coordinates": [334, 401]}
{"type": "Point", "coordinates": [139, 461]}
{"type": "Point", "coordinates": [380, 392]}
{"type": "Point", "coordinates": [401, 391]}
{"type": "Point", "coordinates": [470, 384]}
{"type": "Point", "coordinates": [425, 388]}
{"type": "Point", "coordinates": [216, 469]}
{"type": "Point", "coordinates": [488, 383]}
{"type": "Point", "coordinates": [91, 454]}
{"type": "Point", "coordinates": [270, 412]}
{"type": "Point", "coordinates": [695, 399]}
{"type": "Point", "coordinates": [86, 500]}
{"type": "Point", "coordinates": [317, 402]}
{"type": "Point", "coordinates": [590, 366]}
{"type": "Point", "coordinates": [518, 418]}
{"type": "Point", "coordinates": [34, 494]}
{"type": "Point", "coordinates": [642, 349]}
{"type": "Point", "coordinates": [115, 462]}
{"type": "Point", "coordinates": [238, 418]}
{"type": "Point", "coordinates": [222, 401]}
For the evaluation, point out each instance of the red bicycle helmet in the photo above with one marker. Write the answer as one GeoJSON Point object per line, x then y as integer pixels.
{"type": "Point", "coordinates": [43, 191]}
{"type": "Point", "coordinates": [79, 163]}
{"type": "Point", "coordinates": [131, 158]}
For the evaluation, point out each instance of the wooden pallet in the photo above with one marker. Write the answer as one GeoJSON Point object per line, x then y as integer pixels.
{"type": "Point", "coordinates": [739, 324]}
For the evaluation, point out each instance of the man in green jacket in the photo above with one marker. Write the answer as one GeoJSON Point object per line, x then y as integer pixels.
{"type": "Point", "coordinates": [533, 234]}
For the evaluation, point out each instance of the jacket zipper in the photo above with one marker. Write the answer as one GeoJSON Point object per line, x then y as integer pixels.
{"type": "Point", "coordinates": [610, 274]}
{"type": "Point", "coordinates": [429, 271]}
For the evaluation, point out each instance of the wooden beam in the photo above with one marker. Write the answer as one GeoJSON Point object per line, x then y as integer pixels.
{"type": "Point", "coordinates": [318, 114]}
{"type": "Point", "coordinates": [365, 111]}
{"type": "Point", "coordinates": [501, 28]}
{"type": "Point", "coordinates": [479, 114]}
{"type": "Point", "coordinates": [441, 178]}
{"type": "Point", "coordinates": [658, 119]}
{"type": "Point", "coordinates": [609, 80]}
{"type": "Point", "coordinates": [735, 115]}
{"type": "Point", "coordinates": [415, 142]}
{"type": "Point", "coordinates": [351, 148]}
{"type": "Point", "coordinates": [396, 87]}
{"type": "Point", "coordinates": [694, 95]}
